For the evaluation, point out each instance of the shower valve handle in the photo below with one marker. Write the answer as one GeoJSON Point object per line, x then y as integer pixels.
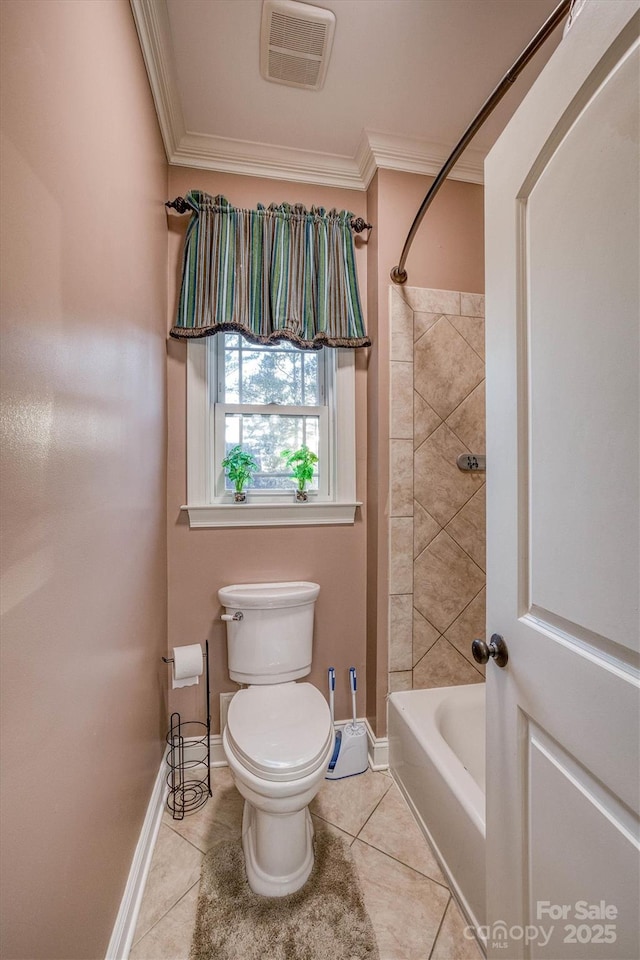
{"type": "Point", "coordinates": [495, 649]}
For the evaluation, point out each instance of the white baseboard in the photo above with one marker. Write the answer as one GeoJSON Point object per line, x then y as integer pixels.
{"type": "Point", "coordinates": [217, 757]}
{"type": "Point", "coordinates": [378, 749]}
{"type": "Point", "coordinates": [125, 925]}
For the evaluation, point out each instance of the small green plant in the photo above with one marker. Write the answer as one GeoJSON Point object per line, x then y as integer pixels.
{"type": "Point", "coordinates": [301, 463]}
{"type": "Point", "coordinates": [240, 467]}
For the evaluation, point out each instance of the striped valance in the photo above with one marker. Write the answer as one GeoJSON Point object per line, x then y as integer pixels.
{"type": "Point", "coordinates": [280, 273]}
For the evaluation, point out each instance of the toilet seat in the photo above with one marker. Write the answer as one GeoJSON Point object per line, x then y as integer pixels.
{"type": "Point", "coordinates": [279, 732]}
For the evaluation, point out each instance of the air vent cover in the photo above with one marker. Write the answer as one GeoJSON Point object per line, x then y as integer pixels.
{"type": "Point", "coordinates": [295, 43]}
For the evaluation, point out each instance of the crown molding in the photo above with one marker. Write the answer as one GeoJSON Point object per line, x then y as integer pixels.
{"type": "Point", "coordinates": [422, 156]}
{"type": "Point", "coordinates": [152, 23]}
{"type": "Point", "coordinates": [266, 160]}
{"type": "Point", "coordinates": [207, 152]}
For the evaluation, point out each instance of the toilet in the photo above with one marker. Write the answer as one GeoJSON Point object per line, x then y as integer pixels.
{"type": "Point", "coordinates": [278, 738]}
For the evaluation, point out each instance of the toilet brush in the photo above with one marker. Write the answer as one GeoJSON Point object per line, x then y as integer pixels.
{"type": "Point", "coordinates": [336, 747]}
{"type": "Point", "coordinates": [352, 684]}
{"type": "Point", "coordinates": [350, 752]}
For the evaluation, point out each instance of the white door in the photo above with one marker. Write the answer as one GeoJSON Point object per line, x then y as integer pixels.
{"type": "Point", "coordinates": [563, 520]}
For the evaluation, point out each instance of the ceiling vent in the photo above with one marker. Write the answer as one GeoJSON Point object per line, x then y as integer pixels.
{"type": "Point", "coordinates": [295, 43]}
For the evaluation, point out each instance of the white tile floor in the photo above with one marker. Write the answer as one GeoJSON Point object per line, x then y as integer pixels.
{"type": "Point", "coordinates": [413, 913]}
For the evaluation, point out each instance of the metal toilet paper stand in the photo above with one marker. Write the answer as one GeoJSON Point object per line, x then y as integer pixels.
{"type": "Point", "coordinates": [188, 758]}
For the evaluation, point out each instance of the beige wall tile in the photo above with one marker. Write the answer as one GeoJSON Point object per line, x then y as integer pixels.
{"type": "Point", "coordinates": [439, 485]}
{"type": "Point", "coordinates": [468, 420]}
{"type": "Point", "coordinates": [443, 666]}
{"type": "Point", "coordinates": [446, 368]}
{"type": "Point", "coordinates": [472, 304]}
{"type": "Point", "coordinates": [424, 300]}
{"type": "Point", "coordinates": [472, 329]}
{"type": "Point", "coordinates": [400, 555]}
{"type": "Point", "coordinates": [425, 420]}
{"type": "Point", "coordinates": [425, 528]}
{"type": "Point", "coordinates": [445, 581]}
{"type": "Point", "coordinates": [400, 680]}
{"type": "Point", "coordinates": [445, 371]}
{"type": "Point", "coordinates": [401, 412]}
{"type": "Point", "coordinates": [401, 320]}
{"type": "Point", "coordinates": [470, 625]}
{"type": "Point", "coordinates": [468, 528]}
{"type": "Point", "coordinates": [401, 454]}
{"type": "Point", "coordinates": [424, 636]}
{"type": "Point", "coordinates": [423, 322]}
{"type": "Point", "coordinates": [400, 632]}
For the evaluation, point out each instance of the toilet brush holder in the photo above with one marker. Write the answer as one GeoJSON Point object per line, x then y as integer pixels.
{"type": "Point", "coordinates": [350, 753]}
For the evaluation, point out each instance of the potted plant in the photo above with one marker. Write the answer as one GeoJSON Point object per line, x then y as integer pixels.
{"type": "Point", "coordinates": [301, 463]}
{"type": "Point", "coordinates": [240, 467]}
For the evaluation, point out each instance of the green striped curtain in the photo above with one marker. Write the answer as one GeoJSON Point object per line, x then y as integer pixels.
{"type": "Point", "coordinates": [281, 273]}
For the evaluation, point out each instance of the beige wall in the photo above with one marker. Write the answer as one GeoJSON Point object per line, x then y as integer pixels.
{"type": "Point", "coordinates": [201, 561]}
{"type": "Point", "coordinates": [448, 254]}
{"type": "Point", "coordinates": [83, 469]}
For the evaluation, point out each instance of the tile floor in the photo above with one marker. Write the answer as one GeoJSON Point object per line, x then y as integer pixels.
{"type": "Point", "coordinates": [413, 913]}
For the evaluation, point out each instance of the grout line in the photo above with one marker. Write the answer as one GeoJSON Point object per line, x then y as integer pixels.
{"type": "Point", "coordinates": [483, 587]}
{"type": "Point", "coordinates": [376, 806]}
{"type": "Point", "coordinates": [166, 913]}
{"type": "Point", "coordinates": [332, 824]}
{"type": "Point", "coordinates": [214, 822]}
{"type": "Point", "coordinates": [419, 873]}
{"type": "Point", "coordinates": [463, 336]}
{"type": "Point", "coordinates": [440, 926]}
{"type": "Point", "coordinates": [458, 405]}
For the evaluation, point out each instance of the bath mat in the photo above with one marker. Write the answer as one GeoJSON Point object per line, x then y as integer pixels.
{"type": "Point", "coordinates": [325, 920]}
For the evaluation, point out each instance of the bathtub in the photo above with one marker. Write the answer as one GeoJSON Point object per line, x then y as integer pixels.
{"type": "Point", "coordinates": [437, 758]}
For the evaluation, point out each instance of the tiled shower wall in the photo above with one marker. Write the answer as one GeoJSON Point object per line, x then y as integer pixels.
{"type": "Point", "coordinates": [437, 512]}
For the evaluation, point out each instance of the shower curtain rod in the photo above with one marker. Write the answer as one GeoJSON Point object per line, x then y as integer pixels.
{"type": "Point", "coordinates": [358, 225]}
{"type": "Point", "coordinates": [399, 274]}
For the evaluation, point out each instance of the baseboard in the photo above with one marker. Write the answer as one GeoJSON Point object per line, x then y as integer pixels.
{"type": "Point", "coordinates": [125, 925]}
{"type": "Point", "coordinates": [217, 757]}
{"type": "Point", "coordinates": [378, 749]}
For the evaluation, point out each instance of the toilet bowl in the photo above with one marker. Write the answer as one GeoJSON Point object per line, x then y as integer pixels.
{"type": "Point", "coordinates": [278, 738]}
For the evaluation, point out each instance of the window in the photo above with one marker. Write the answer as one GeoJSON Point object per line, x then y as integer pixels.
{"type": "Point", "coordinates": [269, 398]}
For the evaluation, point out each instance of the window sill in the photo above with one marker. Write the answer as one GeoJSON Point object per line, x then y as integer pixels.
{"type": "Point", "coordinates": [270, 514]}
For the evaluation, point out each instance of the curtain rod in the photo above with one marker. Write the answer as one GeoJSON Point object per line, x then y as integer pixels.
{"type": "Point", "coordinates": [358, 225]}
{"type": "Point", "coordinates": [399, 274]}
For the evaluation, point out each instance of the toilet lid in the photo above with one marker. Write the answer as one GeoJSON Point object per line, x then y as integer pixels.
{"type": "Point", "coordinates": [279, 732]}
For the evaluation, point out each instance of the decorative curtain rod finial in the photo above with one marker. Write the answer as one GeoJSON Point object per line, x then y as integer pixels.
{"type": "Point", "coordinates": [179, 204]}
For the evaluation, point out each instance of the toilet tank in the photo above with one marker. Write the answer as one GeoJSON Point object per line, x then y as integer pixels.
{"type": "Point", "coordinates": [272, 641]}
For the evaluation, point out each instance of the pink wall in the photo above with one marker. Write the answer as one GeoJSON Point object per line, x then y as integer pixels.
{"type": "Point", "coordinates": [447, 254]}
{"type": "Point", "coordinates": [448, 250]}
{"type": "Point", "coordinates": [201, 561]}
{"type": "Point", "coordinates": [83, 469]}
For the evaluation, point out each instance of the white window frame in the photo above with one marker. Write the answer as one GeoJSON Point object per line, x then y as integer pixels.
{"type": "Point", "coordinates": [209, 506]}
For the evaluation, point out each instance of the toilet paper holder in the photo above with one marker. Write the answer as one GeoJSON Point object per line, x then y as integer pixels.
{"type": "Point", "coordinates": [189, 757]}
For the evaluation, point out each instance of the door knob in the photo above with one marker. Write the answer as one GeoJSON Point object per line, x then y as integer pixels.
{"type": "Point", "coordinates": [496, 649]}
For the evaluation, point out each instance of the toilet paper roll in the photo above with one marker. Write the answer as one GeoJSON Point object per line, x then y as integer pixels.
{"type": "Point", "coordinates": [187, 665]}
